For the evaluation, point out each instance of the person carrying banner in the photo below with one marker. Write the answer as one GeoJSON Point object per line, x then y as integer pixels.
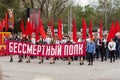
{"type": "Point", "coordinates": [90, 51]}
{"type": "Point", "coordinates": [11, 38]}
{"type": "Point", "coordinates": [112, 49]}
{"type": "Point", "coordinates": [23, 39]}
{"type": "Point", "coordinates": [18, 37]}
{"type": "Point", "coordinates": [49, 40]}
{"type": "Point", "coordinates": [69, 42]}
{"type": "Point", "coordinates": [33, 41]}
{"type": "Point", "coordinates": [52, 58]}
{"type": "Point", "coordinates": [40, 41]}
{"type": "Point", "coordinates": [11, 55]}
{"type": "Point", "coordinates": [56, 42]}
{"type": "Point", "coordinates": [63, 41]}
{"type": "Point", "coordinates": [81, 57]}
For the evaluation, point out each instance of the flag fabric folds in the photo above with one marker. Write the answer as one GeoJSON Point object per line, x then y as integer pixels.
{"type": "Point", "coordinates": [1, 26]}
{"type": "Point", "coordinates": [60, 29]}
{"type": "Point", "coordinates": [41, 29]}
{"type": "Point", "coordinates": [111, 33]}
{"type": "Point", "coordinates": [84, 26]}
{"type": "Point", "coordinates": [100, 29]}
{"type": "Point", "coordinates": [90, 29]}
{"type": "Point", "coordinates": [29, 28]}
{"type": "Point", "coordinates": [74, 31]}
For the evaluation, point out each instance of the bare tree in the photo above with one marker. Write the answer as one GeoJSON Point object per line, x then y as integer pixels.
{"type": "Point", "coordinates": [48, 8]}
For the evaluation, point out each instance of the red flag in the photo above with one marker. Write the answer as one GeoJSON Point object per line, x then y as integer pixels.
{"type": "Point", "coordinates": [3, 23]}
{"type": "Point", "coordinates": [90, 29]}
{"type": "Point", "coordinates": [6, 21]}
{"type": "Point", "coordinates": [84, 26]}
{"type": "Point", "coordinates": [74, 30]}
{"type": "Point", "coordinates": [50, 24]}
{"type": "Point", "coordinates": [29, 28]}
{"type": "Point", "coordinates": [111, 32]}
{"type": "Point", "coordinates": [60, 29]}
{"type": "Point", "coordinates": [101, 29]}
{"type": "Point", "coordinates": [41, 29]}
{"type": "Point", "coordinates": [22, 26]}
{"type": "Point", "coordinates": [1, 26]}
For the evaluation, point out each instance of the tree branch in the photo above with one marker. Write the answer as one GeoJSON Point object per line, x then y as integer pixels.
{"type": "Point", "coordinates": [39, 2]}
{"type": "Point", "coordinates": [25, 4]}
{"type": "Point", "coordinates": [59, 5]}
{"type": "Point", "coordinates": [32, 4]}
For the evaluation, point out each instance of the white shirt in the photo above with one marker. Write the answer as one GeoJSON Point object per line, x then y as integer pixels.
{"type": "Point", "coordinates": [33, 40]}
{"type": "Point", "coordinates": [105, 42]}
{"type": "Point", "coordinates": [63, 41]}
{"type": "Point", "coordinates": [98, 42]}
{"type": "Point", "coordinates": [79, 40]}
{"type": "Point", "coordinates": [57, 42]}
{"type": "Point", "coordinates": [48, 40]}
{"type": "Point", "coordinates": [72, 41]}
{"type": "Point", "coordinates": [88, 40]}
{"type": "Point", "coordinates": [112, 46]}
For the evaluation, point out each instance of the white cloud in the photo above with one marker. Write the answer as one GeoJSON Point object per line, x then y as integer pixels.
{"type": "Point", "coordinates": [81, 2]}
{"type": "Point", "coordinates": [85, 2]}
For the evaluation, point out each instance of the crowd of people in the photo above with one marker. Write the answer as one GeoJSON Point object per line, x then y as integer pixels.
{"type": "Point", "coordinates": [96, 48]}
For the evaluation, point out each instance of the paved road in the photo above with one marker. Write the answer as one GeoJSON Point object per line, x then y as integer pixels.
{"type": "Point", "coordinates": [59, 71]}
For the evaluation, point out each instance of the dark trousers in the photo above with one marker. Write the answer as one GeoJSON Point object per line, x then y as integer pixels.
{"type": "Point", "coordinates": [112, 56]}
{"type": "Point", "coordinates": [98, 52]}
{"type": "Point", "coordinates": [103, 54]}
{"type": "Point", "coordinates": [90, 58]}
{"type": "Point", "coordinates": [117, 54]}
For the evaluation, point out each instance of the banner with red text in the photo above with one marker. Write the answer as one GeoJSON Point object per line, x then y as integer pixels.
{"type": "Point", "coordinates": [46, 50]}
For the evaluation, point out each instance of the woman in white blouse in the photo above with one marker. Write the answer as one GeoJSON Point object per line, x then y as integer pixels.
{"type": "Point", "coordinates": [112, 49]}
